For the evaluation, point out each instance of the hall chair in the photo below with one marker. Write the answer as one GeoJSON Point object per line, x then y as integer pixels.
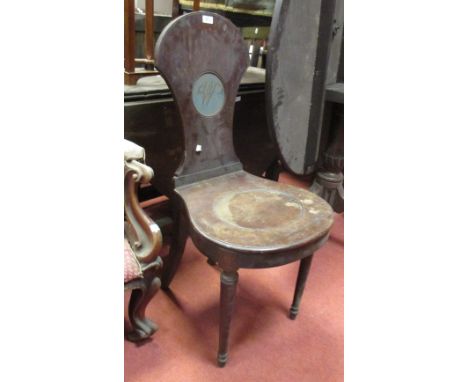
{"type": "Point", "coordinates": [142, 243]}
{"type": "Point", "coordinates": [237, 220]}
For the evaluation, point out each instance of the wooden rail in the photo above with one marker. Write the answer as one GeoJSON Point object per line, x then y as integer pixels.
{"type": "Point", "coordinates": [131, 74]}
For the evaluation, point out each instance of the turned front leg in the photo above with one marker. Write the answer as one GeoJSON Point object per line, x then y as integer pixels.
{"type": "Point", "coordinates": [228, 294]}
{"type": "Point", "coordinates": [300, 285]}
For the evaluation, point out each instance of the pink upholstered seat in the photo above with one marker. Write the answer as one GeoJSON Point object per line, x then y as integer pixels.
{"type": "Point", "coordinates": [132, 268]}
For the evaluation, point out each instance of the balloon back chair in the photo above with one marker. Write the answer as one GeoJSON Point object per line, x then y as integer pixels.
{"type": "Point", "coordinates": [237, 220]}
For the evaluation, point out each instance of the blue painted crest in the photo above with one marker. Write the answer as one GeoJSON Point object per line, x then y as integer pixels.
{"type": "Point", "coordinates": [208, 95]}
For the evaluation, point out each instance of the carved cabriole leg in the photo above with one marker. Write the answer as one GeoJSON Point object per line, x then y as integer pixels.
{"type": "Point", "coordinates": [228, 294]}
{"type": "Point", "coordinates": [142, 326]}
{"type": "Point", "coordinates": [139, 330]}
{"type": "Point", "coordinates": [179, 238]}
{"type": "Point", "coordinates": [300, 285]}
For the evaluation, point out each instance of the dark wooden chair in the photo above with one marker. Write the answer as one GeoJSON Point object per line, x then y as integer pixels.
{"type": "Point", "coordinates": [236, 219]}
{"type": "Point", "coordinates": [142, 243]}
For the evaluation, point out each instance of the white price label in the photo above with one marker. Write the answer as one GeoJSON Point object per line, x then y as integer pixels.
{"type": "Point", "coordinates": [207, 19]}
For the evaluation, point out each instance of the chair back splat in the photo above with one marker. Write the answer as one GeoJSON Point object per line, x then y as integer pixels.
{"type": "Point", "coordinates": [202, 58]}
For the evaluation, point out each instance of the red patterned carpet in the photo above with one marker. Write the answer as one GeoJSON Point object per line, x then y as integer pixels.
{"type": "Point", "coordinates": [265, 345]}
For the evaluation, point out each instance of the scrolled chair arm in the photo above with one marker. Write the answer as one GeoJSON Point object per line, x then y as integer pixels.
{"type": "Point", "coordinates": [142, 233]}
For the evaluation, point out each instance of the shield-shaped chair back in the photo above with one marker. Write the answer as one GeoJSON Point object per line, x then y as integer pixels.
{"type": "Point", "coordinates": [202, 57]}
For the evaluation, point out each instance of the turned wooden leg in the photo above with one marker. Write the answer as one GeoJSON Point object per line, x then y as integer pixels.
{"type": "Point", "coordinates": [179, 238]}
{"type": "Point", "coordinates": [228, 294]}
{"type": "Point", "coordinates": [300, 285]}
{"type": "Point", "coordinates": [142, 326]}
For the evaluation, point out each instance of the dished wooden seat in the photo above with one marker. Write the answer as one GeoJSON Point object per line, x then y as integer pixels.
{"type": "Point", "coordinates": [246, 214]}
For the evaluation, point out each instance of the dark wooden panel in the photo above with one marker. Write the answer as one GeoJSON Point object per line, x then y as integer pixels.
{"type": "Point", "coordinates": [252, 140]}
{"type": "Point", "coordinates": [335, 62]}
{"type": "Point", "coordinates": [296, 72]}
{"type": "Point", "coordinates": [155, 126]}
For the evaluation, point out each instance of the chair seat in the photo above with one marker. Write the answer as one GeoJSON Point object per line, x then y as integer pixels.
{"type": "Point", "coordinates": [246, 213]}
{"type": "Point", "coordinates": [132, 268]}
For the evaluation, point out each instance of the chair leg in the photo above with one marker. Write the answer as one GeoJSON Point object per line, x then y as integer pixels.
{"type": "Point", "coordinates": [300, 285]}
{"type": "Point", "coordinates": [179, 238]}
{"type": "Point", "coordinates": [143, 327]}
{"type": "Point", "coordinates": [228, 294]}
